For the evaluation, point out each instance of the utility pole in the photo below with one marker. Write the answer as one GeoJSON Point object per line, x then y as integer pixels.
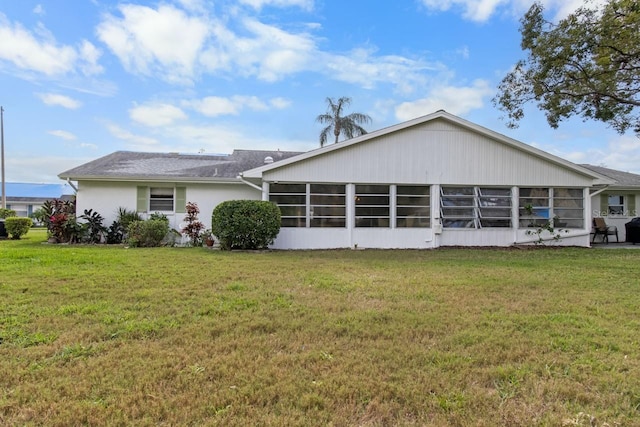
{"type": "Point", "coordinates": [4, 191]}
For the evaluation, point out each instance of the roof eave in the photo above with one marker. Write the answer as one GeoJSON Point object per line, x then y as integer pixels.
{"type": "Point", "coordinates": [143, 178]}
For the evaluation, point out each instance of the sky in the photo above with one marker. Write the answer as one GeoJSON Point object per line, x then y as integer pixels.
{"type": "Point", "coordinates": [84, 78]}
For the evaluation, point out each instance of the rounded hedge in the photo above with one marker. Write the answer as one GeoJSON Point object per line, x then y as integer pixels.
{"type": "Point", "coordinates": [17, 226]}
{"type": "Point", "coordinates": [245, 224]}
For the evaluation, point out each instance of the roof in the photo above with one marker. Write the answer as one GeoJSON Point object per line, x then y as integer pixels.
{"type": "Point", "coordinates": [127, 165]}
{"type": "Point", "coordinates": [622, 179]}
{"type": "Point", "coordinates": [443, 115]}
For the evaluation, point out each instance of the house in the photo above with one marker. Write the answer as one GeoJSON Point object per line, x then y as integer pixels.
{"type": "Point", "coordinates": [434, 181]}
{"type": "Point", "coordinates": [165, 182]}
{"type": "Point", "coordinates": [26, 198]}
{"type": "Point", "coordinates": [617, 203]}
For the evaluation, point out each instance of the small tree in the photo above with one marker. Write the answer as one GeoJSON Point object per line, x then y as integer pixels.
{"type": "Point", "coordinates": [194, 227]}
{"type": "Point", "coordinates": [245, 224]}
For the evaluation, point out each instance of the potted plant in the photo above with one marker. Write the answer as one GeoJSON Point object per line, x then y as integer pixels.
{"type": "Point", "coordinates": [207, 237]}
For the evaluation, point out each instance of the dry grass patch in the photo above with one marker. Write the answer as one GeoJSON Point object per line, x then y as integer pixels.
{"type": "Point", "coordinates": [189, 336]}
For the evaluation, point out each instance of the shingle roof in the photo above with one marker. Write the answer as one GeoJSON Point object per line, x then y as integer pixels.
{"type": "Point", "coordinates": [623, 179]}
{"type": "Point", "coordinates": [129, 164]}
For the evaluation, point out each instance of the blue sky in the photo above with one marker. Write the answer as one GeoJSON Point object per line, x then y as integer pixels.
{"type": "Point", "coordinates": [81, 79]}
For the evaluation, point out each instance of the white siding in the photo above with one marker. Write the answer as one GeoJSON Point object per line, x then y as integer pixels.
{"type": "Point", "coordinates": [107, 197]}
{"type": "Point", "coordinates": [436, 152]}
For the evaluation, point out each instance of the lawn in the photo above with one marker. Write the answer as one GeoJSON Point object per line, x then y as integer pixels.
{"type": "Point", "coordinates": [97, 335]}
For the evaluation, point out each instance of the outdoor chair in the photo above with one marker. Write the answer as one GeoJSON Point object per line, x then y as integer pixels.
{"type": "Point", "coordinates": [600, 228]}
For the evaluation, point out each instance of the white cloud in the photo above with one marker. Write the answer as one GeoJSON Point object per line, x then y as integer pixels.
{"type": "Point", "coordinates": [362, 67]}
{"type": "Point", "coordinates": [213, 106]}
{"type": "Point", "coordinates": [39, 10]}
{"type": "Point", "coordinates": [155, 115]}
{"type": "Point", "coordinates": [179, 46]}
{"type": "Point", "coordinates": [68, 136]}
{"type": "Point", "coordinates": [280, 103]}
{"type": "Point", "coordinates": [164, 41]}
{"type": "Point", "coordinates": [89, 55]}
{"type": "Point", "coordinates": [455, 100]}
{"type": "Point", "coordinates": [483, 10]}
{"type": "Point", "coordinates": [27, 52]}
{"type": "Point", "coordinates": [259, 4]}
{"type": "Point", "coordinates": [60, 100]}
{"type": "Point", "coordinates": [271, 53]}
{"type": "Point", "coordinates": [134, 140]}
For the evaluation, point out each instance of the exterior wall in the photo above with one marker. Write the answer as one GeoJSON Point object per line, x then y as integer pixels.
{"type": "Point", "coordinates": [427, 238]}
{"type": "Point", "coordinates": [632, 210]}
{"type": "Point", "coordinates": [107, 197]}
{"type": "Point", "coordinates": [432, 153]}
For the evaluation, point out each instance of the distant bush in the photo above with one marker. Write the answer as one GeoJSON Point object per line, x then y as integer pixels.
{"type": "Point", "coordinates": [147, 233]}
{"type": "Point", "coordinates": [7, 213]}
{"type": "Point", "coordinates": [17, 227]}
{"type": "Point", "coordinates": [245, 224]}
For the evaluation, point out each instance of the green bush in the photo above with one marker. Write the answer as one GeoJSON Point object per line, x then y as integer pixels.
{"type": "Point", "coordinates": [17, 227]}
{"type": "Point", "coordinates": [147, 233]}
{"type": "Point", "coordinates": [245, 224]}
{"type": "Point", "coordinates": [7, 213]}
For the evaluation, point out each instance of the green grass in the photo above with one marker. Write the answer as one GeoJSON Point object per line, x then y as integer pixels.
{"type": "Point", "coordinates": [96, 335]}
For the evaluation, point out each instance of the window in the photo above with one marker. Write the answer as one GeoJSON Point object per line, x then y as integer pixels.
{"type": "Point", "coordinates": [413, 206]}
{"type": "Point", "coordinates": [161, 199]}
{"type": "Point", "coordinates": [292, 201]}
{"type": "Point", "coordinates": [564, 207]}
{"type": "Point", "coordinates": [458, 207]}
{"type": "Point", "coordinates": [533, 207]}
{"type": "Point", "coordinates": [615, 205]}
{"type": "Point", "coordinates": [475, 207]}
{"type": "Point", "coordinates": [327, 208]}
{"type": "Point", "coordinates": [494, 207]}
{"type": "Point", "coordinates": [372, 206]}
{"type": "Point", "coordinates": [568, 207]}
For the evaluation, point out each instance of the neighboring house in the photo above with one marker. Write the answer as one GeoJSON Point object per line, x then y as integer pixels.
{"type": "Point", "coordinates": [434, 181]}
{"type": "Point", "coordinates": [26, 198]}
{"type": "Point", "coordinates": [618, 202]}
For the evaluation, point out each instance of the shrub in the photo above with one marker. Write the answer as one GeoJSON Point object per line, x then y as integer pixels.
{"type": "Point", "coordinates": [60, 219]}
{"type": "Point", "coordinates": [245, 224]}
{"type": "Point", "coordinates": [117, 232]}
{"type": "Point", "coordinates": [93, 228]}
{"type": "Point", "coordinates": [147, 233]}
{"type": "Point", "coordinates": [17, 227]}
{"type": "Point", "coordinates": [194, 227]}
{"type": "Point", "coordinates": [7, 213]}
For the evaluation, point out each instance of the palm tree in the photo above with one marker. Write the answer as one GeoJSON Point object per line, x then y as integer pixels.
{"type": "Point", "coordinates": [349, 126]}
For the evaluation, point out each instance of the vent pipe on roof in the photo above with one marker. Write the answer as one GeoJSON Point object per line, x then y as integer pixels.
{"type": "Point", "coordinates": [268, 160]}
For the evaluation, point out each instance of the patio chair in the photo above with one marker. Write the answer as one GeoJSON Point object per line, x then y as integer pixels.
{"type": "Point", "coordinates": [600, 228]}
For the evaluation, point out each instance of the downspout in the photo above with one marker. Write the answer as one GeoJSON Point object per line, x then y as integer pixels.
{"type": "Point", "coordinates": [71, 185]}
{"type": "Point", "coordinates": [250, 184]}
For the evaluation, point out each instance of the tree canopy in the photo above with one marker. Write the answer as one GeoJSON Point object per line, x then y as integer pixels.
{"type": "Point", "coordinates": [348, 126]}
{"type": "Point", "coordinates": [587, 65]}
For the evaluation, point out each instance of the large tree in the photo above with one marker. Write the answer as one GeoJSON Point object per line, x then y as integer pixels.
{"type": "Point", "coordinates": [588, 65]}
{"type": "Point", "coordinates": [348, 126]}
